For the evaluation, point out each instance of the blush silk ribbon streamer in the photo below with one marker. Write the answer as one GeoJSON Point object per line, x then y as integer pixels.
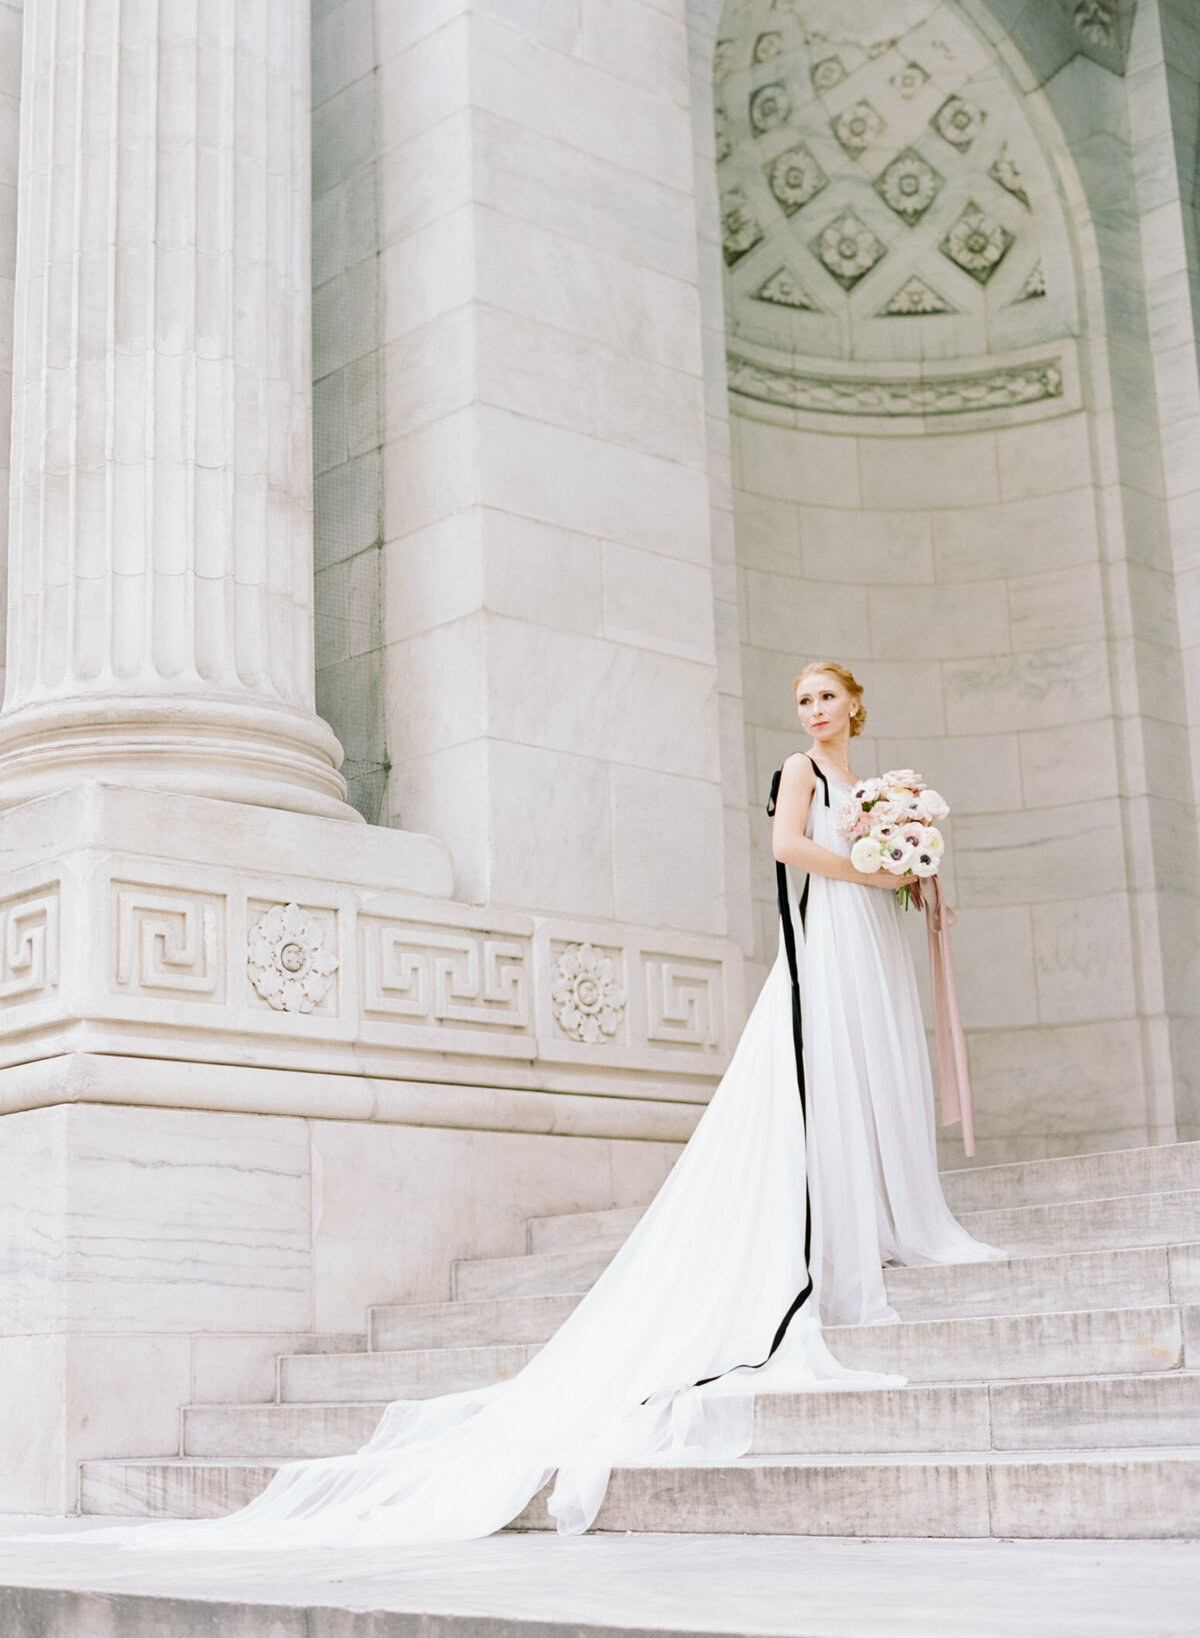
{"type": "Point", "coordinates": [954, 1087]}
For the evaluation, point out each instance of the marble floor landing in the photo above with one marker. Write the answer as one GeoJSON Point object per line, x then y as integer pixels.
{"type": "Point", "coordinates": [538, 1586]}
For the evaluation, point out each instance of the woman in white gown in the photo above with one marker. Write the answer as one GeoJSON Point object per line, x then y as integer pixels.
{"type": "Point", "coordinates": [716, 1294]}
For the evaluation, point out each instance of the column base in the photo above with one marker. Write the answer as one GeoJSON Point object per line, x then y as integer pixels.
{"type": "Point", "coordinates": [267, 756]}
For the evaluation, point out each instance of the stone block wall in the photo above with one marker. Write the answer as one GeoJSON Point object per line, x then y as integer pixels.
{"type": "Point", "coordinates": [963, 584]}
{"type": "Point", "coordinates": [347, 396]}
{"type": "Point", "coordinates": [550, 618]}
{"type": "Point", "coordinates": [1164, 123]}
{"type": "Point", "coordinates": [10, 105]}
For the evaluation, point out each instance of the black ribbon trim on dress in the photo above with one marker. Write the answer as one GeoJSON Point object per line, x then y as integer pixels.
{"type": "Point", "coordinates": [789, 944]}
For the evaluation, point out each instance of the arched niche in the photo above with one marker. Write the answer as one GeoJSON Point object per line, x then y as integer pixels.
{"type": "Point", "coordinates": [946, 471]}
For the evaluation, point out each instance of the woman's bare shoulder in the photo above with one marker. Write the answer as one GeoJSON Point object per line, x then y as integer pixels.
{"type": "Point", "coordinates": [798, 771]}
{"type": "Point", "coordinates": [795, 783]}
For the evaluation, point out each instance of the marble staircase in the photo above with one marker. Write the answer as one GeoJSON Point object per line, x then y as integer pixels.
{"type": "Point", "coordinates": [1054, 1395]}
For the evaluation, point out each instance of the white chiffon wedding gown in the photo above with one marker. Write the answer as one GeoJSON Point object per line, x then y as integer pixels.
{"type": "Point", "coordinates": [709, 1301]}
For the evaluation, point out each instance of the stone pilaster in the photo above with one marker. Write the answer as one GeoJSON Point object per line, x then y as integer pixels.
{"type": "Point", "coordinates": [160, 618]}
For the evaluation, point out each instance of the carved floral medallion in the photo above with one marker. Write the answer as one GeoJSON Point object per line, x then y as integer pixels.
{"type": "Point", "coordinates": [858, 127]}
{"type": "Point", "coordinates": [909, 186]}
{"type": "Point", "coordinates": [289, 961]}
{"type": "Point", "coordinates": [849, 249]}
{"type": "Point", "coordinates": [740, 228]}
{"type": "Point", "coordinates": [587, 998]}
{"type": "Point", "coordinates": [795, 178]}
{"type": "Point", "coordinates": [1004, 171]}
{"type": "Point", "coordinates": [830, 71]}
{"type": "Point", "coordinates": [770, 106]}
{"type": "Point", "coordinates": [977, 243]}
{"type": "Point", "coordinates": [959, 121]}
{"type": "Point", "coordinates": [909, 80]}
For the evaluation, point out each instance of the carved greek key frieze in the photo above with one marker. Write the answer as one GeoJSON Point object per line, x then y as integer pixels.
{"type": "Point", "coordinates": [683, 1001]}
{"type": "Point", "coordinates": [29, 943]}
{"type": "Point", "coordinates": [169, 941]}
{"type": "Point", "coordinates": [466, 977]}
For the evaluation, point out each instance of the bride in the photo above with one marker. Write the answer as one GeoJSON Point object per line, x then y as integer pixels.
{"type": "Point", "coordinates": [813, 1165]}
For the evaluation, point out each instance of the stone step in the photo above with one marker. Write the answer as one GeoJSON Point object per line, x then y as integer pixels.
{"type": "Point", "coordinates": [174, 1488]}
{"type": "Point", "coordinates": [1075, 1412]}
{"type": "Point", "coordinates": [548, 1273]}
{"type": "Point", "coordinates": [1094, 1495]}
{"type": "Point", "coordinates": [1105, 1341]}
{"type": "Point", "coordinates": [1103, 1494]}
{"type": "Point", "coordinates": [581, 1228]}
{"type": "Point", "coordinates": [1166, 1167]}
{"type": "Point", "coordinates": [1058, 1283]}
{"type": "Point", "coordinates": [468, 1324]}
{"type": "Point", "coordinates": [1080, 1225]}
{"type": "Point", "coordinates": [532, 1586]}
{"type": "Point", "coordinates": [1092, 1225]}
{"type": "Point", "coordinates": [286, 1432]}
{"type": "Point", "coordinates": [1163, 1168]}
{"type": "Point", "coordinates": [984, 1347]}
{"type": "Point", "coordinates": [411, 1373]}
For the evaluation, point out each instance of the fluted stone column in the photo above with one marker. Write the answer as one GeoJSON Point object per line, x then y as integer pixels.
{"type": "Point", "coordinates": [160, 602]}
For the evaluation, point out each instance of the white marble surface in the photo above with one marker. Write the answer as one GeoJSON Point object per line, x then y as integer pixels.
{"type": "Point", "coordinates": [547, 495]}
{"type": "Point", "coordinates": [11, 12]}
{"type": "Point", "coordinates": [68, 1396]}
{"type": "Point", "coordinates": [156, 1257]}
{"type": "Point", "coordinates": [121, 1219]}
{"type": "Point", "coordinates": [393, 1206]}
{"type": "Point", "coordinates": [164, 444]}
{"type": "Point", "coordinates": [776, 1587]}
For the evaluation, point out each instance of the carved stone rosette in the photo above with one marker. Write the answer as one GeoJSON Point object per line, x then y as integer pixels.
{"type": "Point", "coordinates": [289, 961]}
{"type": "Point", "coordinates": [588, 1000]}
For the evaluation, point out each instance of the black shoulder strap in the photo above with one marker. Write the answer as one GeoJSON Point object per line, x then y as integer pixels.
{"type": "Point", "coordinates": [778, 775]}
{"type": "Point", "coordinates": [789, 944]}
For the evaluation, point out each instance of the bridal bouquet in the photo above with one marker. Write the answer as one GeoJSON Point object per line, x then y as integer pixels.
{"type": "Point", "coordinates": [891, 822]}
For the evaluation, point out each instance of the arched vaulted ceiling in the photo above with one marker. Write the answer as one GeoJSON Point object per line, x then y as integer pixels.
{"type": "Point", "coordinates": [895, 245]}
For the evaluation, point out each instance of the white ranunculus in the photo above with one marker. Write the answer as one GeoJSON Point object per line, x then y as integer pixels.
{"type": "Point", "coordinates": [934, 806]}
{"type": "Point", "coordinates": [934, 841]}
{"type": "Point", "coordinates": [867, 855]}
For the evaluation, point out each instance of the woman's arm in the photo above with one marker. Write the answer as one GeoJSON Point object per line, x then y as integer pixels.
{"type": "Point", "coordinates": [792, 846]}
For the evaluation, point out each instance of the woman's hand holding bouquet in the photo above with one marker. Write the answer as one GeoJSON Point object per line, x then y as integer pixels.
{"type": "Point", "coordinates": [891, 824]}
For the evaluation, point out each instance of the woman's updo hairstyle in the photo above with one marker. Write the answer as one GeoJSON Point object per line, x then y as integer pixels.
{"type": "Point", "coordinates": [858, 719]}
